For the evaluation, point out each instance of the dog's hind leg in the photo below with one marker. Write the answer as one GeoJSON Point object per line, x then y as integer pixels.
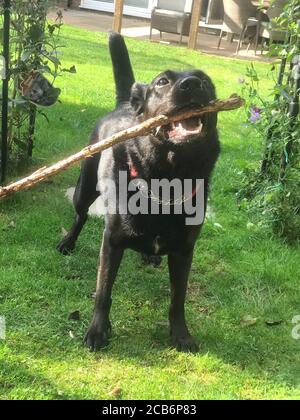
{"type": "Point", "coordinates": [85, 195]}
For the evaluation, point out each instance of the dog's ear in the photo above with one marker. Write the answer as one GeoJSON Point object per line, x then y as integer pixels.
{"type": "Point", "coordinates": [138, 97]}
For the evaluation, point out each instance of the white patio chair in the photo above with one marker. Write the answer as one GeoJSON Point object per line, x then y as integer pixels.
{"type": "Point", "coordinates": [171, 17]}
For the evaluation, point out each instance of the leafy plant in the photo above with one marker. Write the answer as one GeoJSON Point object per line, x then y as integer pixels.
{"type": "Point", "coordinates": [34, 66]}
{"type": "Point", "coordinates": [274, 188]}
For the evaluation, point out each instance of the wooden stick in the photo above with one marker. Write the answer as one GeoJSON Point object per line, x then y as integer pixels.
{"type": "Point", "coordinates": [142, 129]}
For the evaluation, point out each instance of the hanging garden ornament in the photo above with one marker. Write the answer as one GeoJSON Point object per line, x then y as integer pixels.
{"type": "Point", "coordinates": [38, 90]}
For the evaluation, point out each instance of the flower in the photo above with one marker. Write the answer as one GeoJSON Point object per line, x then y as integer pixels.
{"type": "Point", "coordinates": [255, 114]}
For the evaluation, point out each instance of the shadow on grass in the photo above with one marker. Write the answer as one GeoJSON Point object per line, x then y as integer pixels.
{"type": "Point", "coordinates": [67, 131]}
{"type": "Point", "coordinates": [19, 378]}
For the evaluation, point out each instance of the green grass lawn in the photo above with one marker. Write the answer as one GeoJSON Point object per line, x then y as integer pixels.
{"type": "Point", "coordinates": [237, 271]}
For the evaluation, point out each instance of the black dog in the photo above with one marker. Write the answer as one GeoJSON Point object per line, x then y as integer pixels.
{"type": "Point", "coordinates": [186, 150]}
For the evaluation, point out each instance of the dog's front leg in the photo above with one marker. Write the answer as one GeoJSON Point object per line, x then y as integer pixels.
{"type": "Point", "coordinates": [110, 259]}
{"type": "Point", "coordinates": [179, 268]}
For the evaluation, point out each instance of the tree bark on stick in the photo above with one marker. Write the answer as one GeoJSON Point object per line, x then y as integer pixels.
{"type": "Point", "coordinates": [140, 130]}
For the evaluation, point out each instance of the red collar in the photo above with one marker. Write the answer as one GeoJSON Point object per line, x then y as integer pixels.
{"type": "Point", "coordinates": [133, 171]}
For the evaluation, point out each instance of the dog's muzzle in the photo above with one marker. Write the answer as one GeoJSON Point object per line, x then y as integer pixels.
{"type": "Point", "coordinates": [184, 130]}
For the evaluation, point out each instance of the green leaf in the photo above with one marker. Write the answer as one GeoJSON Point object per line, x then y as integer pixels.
{"type": "Point", "coordinates": [70, 70]}
{"type": "Point", "coordinates": [36, 33]}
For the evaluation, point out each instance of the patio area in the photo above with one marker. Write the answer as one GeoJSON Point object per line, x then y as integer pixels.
{"type": "Point", "coordinates": [139, 28]}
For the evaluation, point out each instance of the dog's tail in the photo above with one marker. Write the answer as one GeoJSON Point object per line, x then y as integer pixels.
{"type": "Point", "coordinates": [123, 73]}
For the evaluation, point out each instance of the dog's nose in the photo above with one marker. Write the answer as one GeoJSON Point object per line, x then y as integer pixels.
{"type": "Point", "coordinates": [190, 83]}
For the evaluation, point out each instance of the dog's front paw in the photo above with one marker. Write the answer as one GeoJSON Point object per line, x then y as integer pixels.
{"type": "Point", "coordinates": [66, 246]}
{"type": "Point", "coordinates": [186, 344]}
{"type": "Point", "coordinates": [97, 337]}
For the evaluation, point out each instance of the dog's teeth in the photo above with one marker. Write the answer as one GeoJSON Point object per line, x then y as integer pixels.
{"type": "Point", "coordinates": [200, 127]}
{"type": "Point", "coordinates": [157, 130]}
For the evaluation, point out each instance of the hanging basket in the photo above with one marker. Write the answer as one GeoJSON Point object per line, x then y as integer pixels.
{"type": "Point", "coordinates": [36, 89]}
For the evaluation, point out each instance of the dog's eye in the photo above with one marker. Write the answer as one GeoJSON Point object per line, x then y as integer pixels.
{"type": "Point", "coordinates": [163, 82]}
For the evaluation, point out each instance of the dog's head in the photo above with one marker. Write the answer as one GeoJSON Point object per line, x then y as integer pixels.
{"type": "Point", "coordinates": [172, 92]}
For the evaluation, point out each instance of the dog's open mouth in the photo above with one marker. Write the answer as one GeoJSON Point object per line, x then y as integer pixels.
{"type": "Point", "coordinates": [187, 128]}
{"type": "Point", "coordinates": [184, 130]}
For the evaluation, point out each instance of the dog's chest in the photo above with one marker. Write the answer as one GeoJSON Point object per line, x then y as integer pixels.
{"type": "Point", "coordinates": [158, 235]}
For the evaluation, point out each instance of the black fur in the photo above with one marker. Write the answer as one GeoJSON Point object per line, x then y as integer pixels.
{"type": "Point", "coordinates": [153, 156]}
{"type": "Point", "coordinates": [123, 74]}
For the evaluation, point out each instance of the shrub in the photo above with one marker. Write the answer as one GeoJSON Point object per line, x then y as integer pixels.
{"type": "Point", "coordinates": [33, 68]}
{"type": "Point", "coordinates": [273, 189]}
